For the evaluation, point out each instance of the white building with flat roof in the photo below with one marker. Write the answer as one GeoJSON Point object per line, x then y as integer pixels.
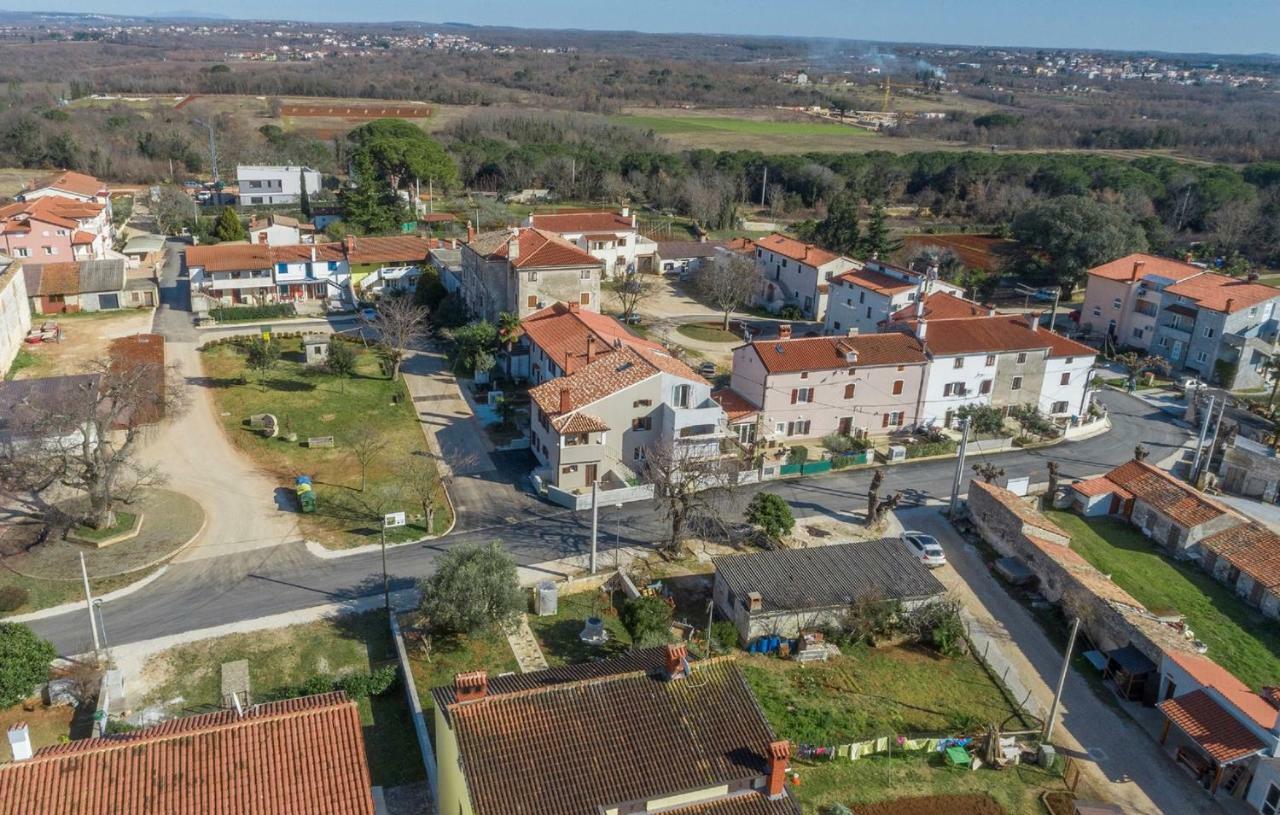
{"type": "Point", "coordinates": [262, 185]}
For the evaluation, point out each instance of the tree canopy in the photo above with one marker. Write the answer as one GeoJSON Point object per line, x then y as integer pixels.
{"type": "Point", "coordinates": [24, 662]}
{"type": "Point", "coordinates": [474, 589]}
{"type": "Point", "coordinates": [228, 226]}
{"type": "Point", "coordinates": [400, 151]}
{"type": "Point", "coordinates": [370, 204]}
{"type": "Point", "coordinates": [1062, 238]}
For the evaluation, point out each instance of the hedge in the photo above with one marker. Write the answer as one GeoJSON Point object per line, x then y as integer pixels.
{"type": "Point", "coordinates": [932, 448]}
{"type": "Point", "coordinates": [240, 314]}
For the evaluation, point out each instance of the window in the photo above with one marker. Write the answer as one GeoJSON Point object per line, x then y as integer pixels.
{"type": "Point", "coordinates": [862, 297]}
{"type": "Point", "coordinates": [984, 387]}
{"type": "Point", "coordinates": [747, 432]}
{"type": "Point", "coordinates": [637, 454]}
{"type": "Point", "coordinates": [585, 298]}
{"type": "Point", "coordinates": [1207, 331]}
{"type": "Point", "coordinates": [1066, 379]}
{"type": "Point", "coordinates": [958, 362]}
{"type": "Point", "coordinates": [836, 325]}
{"type": "Point", "coordinates": [759, 253]}
{"type": "Point", "coordinates": [897, 387]}
{"type": "Point", "coordinates": [800, 427]}
{"type": "Point", "coordinates": [1164, 342]}
{"type": "Point", "coordinates": [868, 312]}
{"type": "Point", "coordinates": [804, 374]}
{"type": "Point", "coordinates": [893, 419]}
{"type": "Point", "coordinates": [257, 199]}
{"type": "Point", "coordinates": [1017, 384]}
{"type": "Point", "coordinates": [532, 302]}
{"type": "Point", "coordinates": [21, 252]}
{"type": "Point", "coordinates": [1115, 303]}
{"type": "Point", "coordinates": [642, 403]}
{"type": "Point", "coordinates": [1271, 803]}
{"type": "Point", "coordinates": [576, 439]}
{"type": "Point", "coordinates": [1137, 333]}
{"type": "Point", "coordinates": [680, 396]}
{"type": "Point", "coordinates": [848, 391]}
{"type": "Point", "coordinates": [991, 360]}
{"type": "Point", "coordinates": [572, 468]}
{"type": "Point", "coordinates": [642, 423]}
{"type": "Point", "coordinates": [1022, 358]}
{"type": "Point", "coordinates": [585, 274]}
{"type": "Point", "coordinates": [1097, 311]}
{"type": "Point", "coordinates": [533, 277]}
{"type": "Point", "coordinates": [1059, 407]}
{"type": "Point", "coordinates": [1201, 356]}
{"type": "Point", "coordinates": [51, 250]}
{"type": "Point", "coordinates": [801, 395]}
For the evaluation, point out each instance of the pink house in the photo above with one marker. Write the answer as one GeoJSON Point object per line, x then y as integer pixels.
{"type": "Point", "coordinates": [1122, 298]}
{"type": "Point", "coordinates": [55, 230]}
{"type": "Point", "coordinates": [807, 388]}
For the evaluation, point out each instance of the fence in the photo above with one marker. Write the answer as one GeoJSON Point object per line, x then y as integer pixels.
{"type": "Point", "coordinates": [415, 708]}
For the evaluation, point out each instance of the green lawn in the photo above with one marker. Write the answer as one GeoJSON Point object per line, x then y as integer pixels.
{"type": "Point", "coordinates": [313, 404]}
{"type": "Point", "coordinates": [23, 361]}
{"type": "Point", "coordinates": [733, 124]}
{"type": "Point", "coordinates": [882, 778]}
{"type": "Point", "coordinates": [558, 634]}
{"type": "Point", "coordinates": [707, 333]}
{"type": "Point", "coordinates": [1240, 639]}
{"type": "Point", "coordinates": [285, 657]}
{"type": "Point", "coordinates": [447, 658]}
{"type": "Point", "coordinates": [872, 692]}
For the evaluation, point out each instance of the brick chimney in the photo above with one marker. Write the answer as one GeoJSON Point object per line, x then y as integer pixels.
{"type": "Point", "coordinates": [1137, 269]}
{"type": "Point", "coordinates": [20, 742]}
{"type": "Point", "coordinates": [779, 754]}
{"type": "Point", "coordinates": [1231, 301]}
{"type": "Point", "coordinates": [1033, 321]}
{"type": "Point", "coordinates": [591, 348]}
{"type": "Point", "coordinates": [676, 655]}
{"type": "Point", "coordinates": [574, 308]}
{"type": "Point", "coordinates": [754, 601]}
{"type": "Point", "coordinates": [513, 247]}
{"type": "Point", "coordinates": [566, 401]}
{"type": "Point", "coordinates": [262, 238]}
{"type": "Point", "coordinates": [471, 230]}
{"type": "Point", "coordinates": [349, 243]}
{"type": "Point", "coordinates": [784, 331]}
{"type": "Point", "coordinates": [468, 687]}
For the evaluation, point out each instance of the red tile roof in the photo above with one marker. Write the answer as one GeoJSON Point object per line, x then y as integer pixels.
{"type": "Point", "coordinates": [1250, 547]}
{"type": "Point", "coordinates": [993, 335]}
{"type": "Point", "coordinates": [562, 330]}
{"type": "Point", "coordinates": [1217, 292]}
{"type": "Point", "coordinates": [1132, 267]}
{"type": "Point", "coordinates": [1210, 674]}
{"type": "Point", "coordinates": [1101, 485]}
{"type": "Point", "coordinates": [56, 278]}
{"type": "Point", "coordinates": [943, 305]}
{"type": "Point", "coordinates": [572, 423]}
{"type": "Point", "coordinates": [607, 375]}
{"type": "Point", "coordinates": [295, 756]}
{"type": "Point", "coordinates": [586, 746]}
{"type": "Point", "coordinates": [747, 802]}
{"type": "Point", "coordinates": [72, 182]}
{"type": "Point", "coordinates": [576, 222]}
{"type": "Point", "coordinates": [1219, 733]}
{"type": "Point", "coordinates": [876, 281]}
{"type": "Point", "coordinates": [229, 257]}
{"type": "Point", "coordinates": [389, 249]}
{"type": "Point", "coordinates": [735, 405]}
{"type": "Point", "coordinates": [538, 249]}
{"type": "Point", "coordinates": [800, 251]}
{"type": "Point", "coordinates": [831, 353]}
{"type": "Point", "coordinates": [1178, 500]}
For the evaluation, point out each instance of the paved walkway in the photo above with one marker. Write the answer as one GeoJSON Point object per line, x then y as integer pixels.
{"type": "Point", "coordinates": [525, 646]}
{"type": "Point", "coordinates": [1117, 757]}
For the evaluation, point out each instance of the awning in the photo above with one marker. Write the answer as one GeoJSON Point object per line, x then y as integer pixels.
{"type": "Point", "coordinates": [1222, 737]}
{"type": "Point", "coordinates": [1131, 660]}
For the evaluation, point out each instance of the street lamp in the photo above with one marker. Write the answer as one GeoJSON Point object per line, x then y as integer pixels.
{"type": "Point", "coordinates": [102, 623]}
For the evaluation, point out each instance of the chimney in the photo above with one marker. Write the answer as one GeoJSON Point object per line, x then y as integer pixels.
{"type": "Point", "coordinates": [754, 601]}
{"type": "Point", "coordinates": [349, 243]}
{"type": "Point", "coordinates": [313, 253]}
{"type": "Point", "coordinates": [468, 687]}
{"type": "Point", "coordinates": [677, 655]}
{"type": "Point", "coordinates": [852, 332]}
{"type": "Point", "coordinates": [1033, 321]}
{"type": "Point", "coordinates": [591, 348]}
{"type": "Point", "coordinates": [513, 248]}
{"type": "Point", "coordinates": [574, 308]}
{"type": "Point", "coordinates": [1137, 269]}
{"type": "Point", "coordinates": [991, 311]}
{"type": "Point", "coordinates": [919, 305]}
{"type": "Point", "coordinates": [566, 401]}
{"type": "Point", "coordinates": [779, 753]}
{"type": "Point", "coordinates": [471, 230]}
{"type": "Point", "coordinates": [20, 741]}
{"type": "Point", "coordinates": [784, 331]}
{"type": "Point", "coordinates": [1231, 301]}
{"type": "Point", "coordinates": [922, 328]}
{"type": "Point", "coordinates": [262, 238]}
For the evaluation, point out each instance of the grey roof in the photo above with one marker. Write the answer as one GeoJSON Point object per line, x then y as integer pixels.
{"type": "Point", "coordinates": [101, 275]}
{"type": "Point", "coordinates": [144, 244]}
{"type": "Point", "coordinates": [688, 249]}
{"type": "Point", "coordinates": [826, 576]}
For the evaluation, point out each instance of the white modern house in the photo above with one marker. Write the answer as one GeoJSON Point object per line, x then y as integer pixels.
{"type": "Point", "coordinates": [861, 299]}
{"type": "Point", "coordinates": [797, 274]}
{"type": "Point", "coordinates": [613, 237]}
{"type": "Point", "coordinates": [261, 185]}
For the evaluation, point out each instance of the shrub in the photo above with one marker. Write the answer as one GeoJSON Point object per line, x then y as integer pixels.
{"type": "Point", "coordinates": [791, 313]}
{"type": "Point", "coordinates": [117, 727]}
{"type": "Point", "coordinates": [837, 809]}
{"type": "Point", "coordinates": [474, 589]}
{"type": "Point", "coordinates": [938, 625]}
{"type": "Point", "coordinates": [235, 314]}
{"type": "Point", "coordinates": [13, 598]}
{"type": "Point", "coordinates": [725, 635]}
{"type": "Point", "coordinates": [842, 443]}
{"type": "Point", "coordinates": [24, 662]}
{"type": "Point", "coordinates": [647, 619]}
{"type": "Point", "coordinates": [931, 448]}
{"type": "Point", "coordinates": [869, 619]}
{"type": "Point", "coordinates": [798, 454]}
{"type": "Point", "coordinates": [982, 418]}
{"type": "Point", "coordinates": [363, 685]}
{"type": "Point", "coordinates": [772, 514]}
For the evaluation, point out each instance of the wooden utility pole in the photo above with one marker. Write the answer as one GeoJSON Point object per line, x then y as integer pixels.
{"type": "Point", "coordinates": [1062, 680]}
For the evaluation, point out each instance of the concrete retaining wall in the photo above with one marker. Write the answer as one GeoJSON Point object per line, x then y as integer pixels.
{"type": "Point", "coordinates": [415, 708]}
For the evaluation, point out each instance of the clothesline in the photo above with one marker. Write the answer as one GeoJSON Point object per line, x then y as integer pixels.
{"type": "Point", "coordinates": [884, 744]}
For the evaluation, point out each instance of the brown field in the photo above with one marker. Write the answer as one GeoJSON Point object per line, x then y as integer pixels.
{"type": "Point", "coordinates": [985, 252]}
{"type": "Point", "coordinates": [932, 804]}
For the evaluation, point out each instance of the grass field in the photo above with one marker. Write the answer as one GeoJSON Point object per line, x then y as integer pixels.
{"type": "Point", "coordinates": [1240, 639]}
{"type": "Point", "coordinates": [285, 657]}
{"type": "Point", "coordinates": [750, 130]}
{"type": "Point", "coordinates": [447, 658]}
{"type": "Point", "coordinates": [557, 634]}
{"type": "Point", "coordinates": [314, 404]}
{"type": "Point", "coordinates": [707, 333]}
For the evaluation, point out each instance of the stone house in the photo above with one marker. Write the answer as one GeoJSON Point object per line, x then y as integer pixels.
{"type": "Point", "coordinates": [523, 270]}
{"type": "Point", "coordinates": [89, 285]}
{"type": "Point", "coordinates": [1251, 469]}
{"type": "Point", "coordinates": [15, 312]}
{"type": "Point", "coordinates": [612, 237]}
{"type": "Point", "coordinates": [1246, 557]}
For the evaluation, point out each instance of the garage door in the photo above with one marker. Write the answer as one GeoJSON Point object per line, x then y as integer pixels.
{"type": "Point", "coordinates": [108, 301]}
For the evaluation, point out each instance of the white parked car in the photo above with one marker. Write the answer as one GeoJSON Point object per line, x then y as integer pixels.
{"type": "Point", "coordinates": [925, 548]}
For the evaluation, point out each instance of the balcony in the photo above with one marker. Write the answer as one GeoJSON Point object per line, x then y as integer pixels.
{"type": "Point", "coordinates": [589, 453]}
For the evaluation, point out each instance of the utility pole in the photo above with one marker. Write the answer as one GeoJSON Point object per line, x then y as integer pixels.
{"type": "Point", "coordinates": [1062, 680]}
{"type": "Point", "coordinates": [711, 611]}
{"type": "Point", "coordinates": [955, 487]}
{"type": "Point", "coordinates": [1053, 312]}
{"type": "Point", "coordinates": [88, 602]}
{"type": "Point", "coordinates": [213, 147]}
{"type": "Point", "coordinates": [106, 644]}
{"type": "Point", "coordinates": [386, 584]}
{"type": "Point", "coordinates": [764, 185]}
{"type": "Point", "coordinates": [595, 520]}
{"type": "Point", "coordinates": [1084, 397]}
{"type": "Point", "coordinates": [431, 195]}
{"type": "Point", "coordinates": [1204, 431]}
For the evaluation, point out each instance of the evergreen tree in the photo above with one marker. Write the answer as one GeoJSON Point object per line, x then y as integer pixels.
{"type": "Point", "coordinates": [228, 226]}
{"type": "Point", "coordinates": [839, 231]}
{"type": "Point", "coordinates": [878, 241]}
{"type": "Point", "coordinates": [305, 199]}
{"type": "Point", "coordinates": [370, 205]}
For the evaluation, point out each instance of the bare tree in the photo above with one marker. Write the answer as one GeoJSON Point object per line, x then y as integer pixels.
{"type": "Point", "coordinates": [630, 287]}
{"type": "Point", "coordinates": [687, 485]}
{"type": "Point", "coordinates": [171, 209]}
{"type": "Point", "coordinates": [873, 494]}
{"type": "Point", "coordinates": [399, 323]}
{"type": "Point", "coordinates": [729, 283]}
{"type": "Point", "coordinates": [421, 479]}
{"type": "Point", "coordinates": [85, 437]}
{"type": "Point", "coordinates": [988, 472]}
{"type": "Point", "coordinates": [885, 507]}
{"type": "Point", "coordinates": [367, 446]}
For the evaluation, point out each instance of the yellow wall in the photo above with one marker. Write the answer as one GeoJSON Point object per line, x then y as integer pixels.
{"type": "Point", "coordinates": [453, 798]}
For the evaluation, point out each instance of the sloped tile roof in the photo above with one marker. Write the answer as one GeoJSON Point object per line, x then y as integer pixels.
{"type": "Point", "coordinates": [579, 423]}
{"type": "Point", "coordinates": [70, 181]}
{"type": "Point", "coordinates": [735, 405]}
{"type": "Point", "coordinates": [943, 305]}
{"type": "Point", "coordinates": [229, 257]}
{"type": "Point", "coordinates": [800, 251]}
{"type": "Point", "coordinates": [1217, 732]}
{"type": "Point", "coordinates": [1210, 674]}
{"type": "Point", "coordinates": [1250, 547]}
{"type": "Point", "coordinates": [295, 756]}
{"type": "Point", "coordinates": [390, 249]}
{"type": "Point", "coordinates": [995, 335]}
{"type": "Point", "coordinates": [576, 222]}
{"type": "Point", "coordinates": [607, 375]}
{"type": "Point", "coordinates": [1180, 501]}
{"type": "Point", "coordinates": [1093, 487]}
{"type": "Point", "coordinates": [1140, 265]}
{"type": "Point", "coordinates": [562, 332]}
{"type": "Point", "coordinates": [750, 802]}
{"type": "Point", "coordinates": [538, 249]}
{"type": "Point", "coordinates": [1218, 292]}
{"type": "Point", "coordinates": [584, 746]}
{"type": "Point", "coordinates": [52, 278]}
{"type": "Point", "coordinates": [876, 281]}
{"type": "Point", "coordinates": [830, 353]}
{"type": "Point", "coordinates": [690, 249]}
{"type": "Point", "coordinates": [827, 576]}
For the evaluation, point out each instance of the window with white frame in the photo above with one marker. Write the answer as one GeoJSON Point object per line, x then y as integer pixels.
{"type": "Point", "coordinates": [680, 396]}
{"type": "Point", "coordinates": [1271, 802]}
{"type": "Point", "coordinates": [1060, 407]}
{"type": "Point", "coordinates": [1115, 303]}
{"type": "Point", "coordinates": [1016, 384]}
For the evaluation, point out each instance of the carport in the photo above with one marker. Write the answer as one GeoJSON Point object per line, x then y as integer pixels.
{"type": "Point", "coordinates": [1206, 740]}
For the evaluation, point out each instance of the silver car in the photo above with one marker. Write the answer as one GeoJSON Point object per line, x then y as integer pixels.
{"type": "Point", "coordinates": [925, 548]}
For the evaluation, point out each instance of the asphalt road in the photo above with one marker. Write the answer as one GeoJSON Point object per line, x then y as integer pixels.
{"type": "Point", "coordinates": [222, 590]}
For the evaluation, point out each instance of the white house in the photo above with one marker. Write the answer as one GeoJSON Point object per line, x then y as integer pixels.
{"type": "Point", "coordinates": [261, 185]}
{"type": "Point", "coordinates": [15, 313]}
{"type": "Point", "coordinates": [613, 237]}
{"type": "Point", "coordinates": [797, 274]}
{"type": "Point", "coordinates": [277, 230]}
{"type": "Point", "coordinates": [864, 298]}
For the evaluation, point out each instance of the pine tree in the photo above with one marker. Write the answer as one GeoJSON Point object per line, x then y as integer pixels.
{"type": "Point", "coordinates": [878, 241]}
{"type": "Point", "coordinates": [370, 206]}
{"type": "Point", "coordinates": [305, 199]}
{"type": "Point", "coordinates": [839, 230]}
{"type": "Point", "coordinates": [228, 226]}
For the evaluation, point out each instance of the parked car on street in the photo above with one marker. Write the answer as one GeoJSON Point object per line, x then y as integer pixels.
{"type": "Point", "coordinates": [926, 548]}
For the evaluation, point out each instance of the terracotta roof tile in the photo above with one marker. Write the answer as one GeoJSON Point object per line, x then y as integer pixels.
{"type": "Point", "coordinates": [1093, 487]}
{"type": "Point", "coordinates": [1210, 674]}
{"type": "Point", "coordinates": [800, 251]}
{"type": "Point", "coordinates": [875, 281]}
{"type": "Point", "coordinates": [1250, 547]}
{"type": "Point", "coordinates": [1219, 733]}
{"type": "Point", "coordinates": [299, 755]}
{"type": "Point", "coordinates": [943, 305]}
{"type": "Point", "coordinates": [579, 423]}
{"type": "Point", "coordinates": [584, 746]}
{"type": "Point", "coordinates": [607, 375]}
{"type": "Point", "coordinates": [750, 802]}
{"type": "Point", "coordinates": [390, 249]}
{"type": "Point", "coordinates": [831, 353]}
{"type": "Point", "coordinates": [562, 331]}
{"type": "Point", "coordinates": [1138, 265]}
{"type": "Point", "coordinates": [995, 335]}
{"type": "Point", "coordinates": [229, 257]}
{"type": "Point", "coordinates": [1180, 501]}
{"type": "Point", "coordinates": [576, 222]}
{"type": "Point", "coordinates": [1217, 292]}
{"type": "Point", "coordinates": [55, 278]}
{"type": "Point", "coordinates": [78, 183]}
{"type": "Point", "coordinates": [538, 249]}
{"type": "Point", "coordinates": [735, 405]}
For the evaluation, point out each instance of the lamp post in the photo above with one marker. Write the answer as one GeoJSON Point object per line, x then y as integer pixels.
{"type": "Point", "coordinates": [102, 623]}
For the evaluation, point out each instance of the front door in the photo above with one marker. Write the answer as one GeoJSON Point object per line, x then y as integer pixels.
{"type": "Point", "coordinates": [592, 473]}
{"type": "Point", "coordinates": [846, 425]}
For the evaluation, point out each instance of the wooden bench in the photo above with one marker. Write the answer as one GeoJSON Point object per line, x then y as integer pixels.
{"type": "Point", "coordinates": [320, 441]}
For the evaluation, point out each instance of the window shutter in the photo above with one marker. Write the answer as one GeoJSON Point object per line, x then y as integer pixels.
{"type": "Point", "coordinates": [848, 391]}
{"type": "Point", "coordinates": [795, 395]}
{"type": "Point", "coordinates": [885, 421]}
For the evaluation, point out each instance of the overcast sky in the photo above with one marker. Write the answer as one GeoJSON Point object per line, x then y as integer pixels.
{"type": "Point", "coordinates": [1219, 26]}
